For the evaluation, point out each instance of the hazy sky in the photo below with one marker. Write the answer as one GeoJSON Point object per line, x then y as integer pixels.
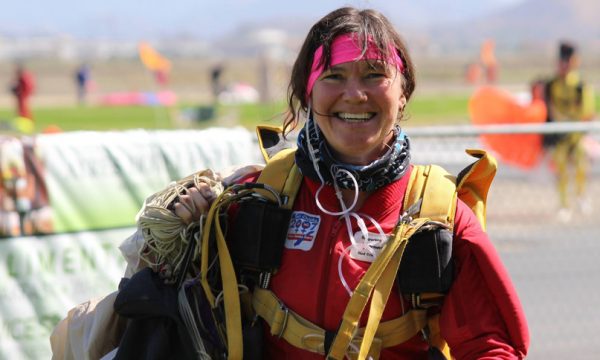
{"type": "Point", "coordinates": [207, 18]}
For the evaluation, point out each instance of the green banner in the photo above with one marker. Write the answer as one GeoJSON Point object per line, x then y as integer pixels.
{"type": "Point", "coordinates": [100, 180]}
{"type": "Point", "coordinates": [41, 278]}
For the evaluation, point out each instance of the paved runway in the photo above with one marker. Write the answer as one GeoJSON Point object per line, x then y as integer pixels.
{"type": "Point", "coordinates": [555, 266]}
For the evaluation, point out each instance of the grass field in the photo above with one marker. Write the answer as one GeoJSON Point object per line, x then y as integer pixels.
{"type": "Point", "coordinates": [421, 111]}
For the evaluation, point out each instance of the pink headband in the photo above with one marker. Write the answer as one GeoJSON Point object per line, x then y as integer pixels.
{"type": "Point", "coordinates": [345, 48]}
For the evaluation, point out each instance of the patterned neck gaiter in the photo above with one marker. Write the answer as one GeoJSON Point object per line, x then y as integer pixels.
{"type": "Point", "coordinates": [388, 168]}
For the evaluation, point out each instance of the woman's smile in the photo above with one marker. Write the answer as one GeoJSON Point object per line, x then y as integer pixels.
{"type": "Point", "coordinates": [354, 117]}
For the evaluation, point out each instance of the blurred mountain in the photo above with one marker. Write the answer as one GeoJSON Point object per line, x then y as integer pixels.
{"type": "Point", "coordinates": [525, 26]}
{"type": "Point", "coordinates": [531, 25]}
{"type": "Point", "coordinates": [431, 27]}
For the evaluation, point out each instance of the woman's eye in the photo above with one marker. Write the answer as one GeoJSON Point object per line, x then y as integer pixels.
{"type": "Point", "coordinates": [332, 76]}
{"type": "Point", "coordinates": [376, 75]}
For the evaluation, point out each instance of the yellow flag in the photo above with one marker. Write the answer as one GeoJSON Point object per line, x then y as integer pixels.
{"type": "Point", "coordinates": [152, 59]}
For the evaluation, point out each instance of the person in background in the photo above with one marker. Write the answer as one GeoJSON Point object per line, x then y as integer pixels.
{"type": "Point", "coordinates": [569, 98]}
{"type": "Point", "coordinates": [489, 62]}
{"type": "Point", "coordinates": [216, 85]}
{"type": "Point", "coordinates": [82, 81]}
{"type": "Point", "coordinates": [23, 88]}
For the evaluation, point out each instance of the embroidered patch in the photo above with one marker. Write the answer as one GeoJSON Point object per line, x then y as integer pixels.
{"type": "Point", "coordinates": [367, 250]}
{"type": "Point", "coordinates": [302, 231]}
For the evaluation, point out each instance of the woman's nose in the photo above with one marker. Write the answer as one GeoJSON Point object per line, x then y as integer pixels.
{"type": "Point", "coordinates": [354, 91]}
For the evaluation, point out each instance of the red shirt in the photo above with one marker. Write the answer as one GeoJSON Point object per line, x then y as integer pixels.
{"type": "Point", "coordinates": [474, 312]}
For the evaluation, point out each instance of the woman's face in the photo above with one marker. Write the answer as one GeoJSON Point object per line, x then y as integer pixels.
{"type": "Point", "coordinates": [356, 105]}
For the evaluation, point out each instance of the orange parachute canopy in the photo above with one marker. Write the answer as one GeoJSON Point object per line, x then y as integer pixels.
{"type": "Point", "coordinates": [152, 59]}
{"type": "Point", "coordinates": [490, 105]}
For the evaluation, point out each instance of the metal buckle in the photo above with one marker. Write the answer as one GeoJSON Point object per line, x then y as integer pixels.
{"type": "Point", "coordinates": [285, 319]}
{"type": "Point", "coordinates": [415, 300]}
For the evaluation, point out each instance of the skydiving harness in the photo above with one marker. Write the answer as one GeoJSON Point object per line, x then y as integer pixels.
{"type": "Point", "coordinates": [255, 245]}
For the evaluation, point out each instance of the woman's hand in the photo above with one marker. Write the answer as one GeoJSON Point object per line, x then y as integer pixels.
{"type": "Point", "coordinates": [194, 202]}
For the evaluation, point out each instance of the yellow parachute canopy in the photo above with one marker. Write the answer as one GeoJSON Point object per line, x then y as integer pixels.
{"type": "Point", "coordinates": [152, 59]}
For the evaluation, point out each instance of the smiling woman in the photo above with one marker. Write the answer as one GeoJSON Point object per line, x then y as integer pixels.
{"type": "Point", "coordinates": [350, 84]}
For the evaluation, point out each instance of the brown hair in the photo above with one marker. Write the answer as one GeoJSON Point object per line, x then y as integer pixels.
{"type": "Point", "coordinates": [367, 24]}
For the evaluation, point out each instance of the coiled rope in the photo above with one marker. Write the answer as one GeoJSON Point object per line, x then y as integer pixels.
{"type": "Point", "coordinates": [165, 234]}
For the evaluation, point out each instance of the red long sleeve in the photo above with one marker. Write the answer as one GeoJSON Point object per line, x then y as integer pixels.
{"type": "Point", "coordinates": [482, 317]}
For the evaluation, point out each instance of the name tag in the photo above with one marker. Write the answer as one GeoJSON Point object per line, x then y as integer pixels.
{"type": "Point", "coordinates": [367, 249]}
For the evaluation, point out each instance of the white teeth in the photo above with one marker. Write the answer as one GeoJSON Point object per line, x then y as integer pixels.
{"type": "Point", "coordinates": [355, 117]}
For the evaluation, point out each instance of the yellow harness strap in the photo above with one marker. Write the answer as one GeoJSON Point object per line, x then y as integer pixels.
{"type": "Point", "coordinates": [391, 254]}
{"type": "Point", "coordinates": [437, 189]}
{"type": "Point", "coordinates": [231, 296]}
{"type": "Point", "coordinates": [301, 333]}
{"type": "Point", "coordinates": [379, 298]}
{"type": "Point", "coordinates": [439, 201]}
{"type": "Point", "coordinates": [282, 163]}
{"type": "Point", "coordinates": [283, 175]}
